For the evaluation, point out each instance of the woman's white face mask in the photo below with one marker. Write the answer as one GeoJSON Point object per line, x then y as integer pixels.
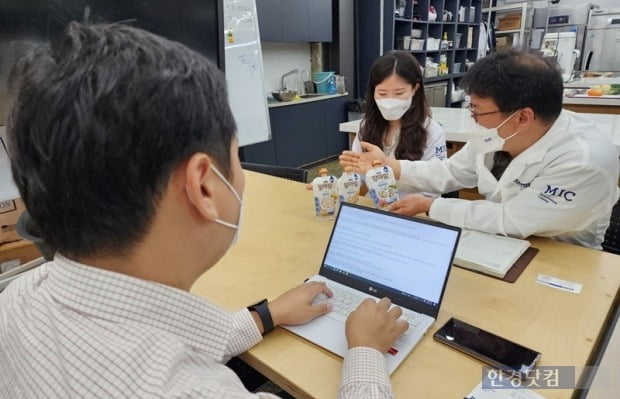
{"type": "Point", "coordinates": [490, 140]}
{"type": "Point", "coordinates": [393, 109]}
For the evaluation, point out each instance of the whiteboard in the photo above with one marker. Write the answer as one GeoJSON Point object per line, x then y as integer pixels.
{"type": "Point", "coordinates": [8, 190]}
{"type": "Point", "coordinates": [244, 72]}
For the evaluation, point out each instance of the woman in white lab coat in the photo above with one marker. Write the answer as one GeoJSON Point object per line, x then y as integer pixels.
{"type": "Point", "coordinates": [397, 116]}
{"type": "Point", "coordinates": [543, 170]}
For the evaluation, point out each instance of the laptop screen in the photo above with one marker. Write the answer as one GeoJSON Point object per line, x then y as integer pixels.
{"type": "Point", "coordinates": [385, 254]}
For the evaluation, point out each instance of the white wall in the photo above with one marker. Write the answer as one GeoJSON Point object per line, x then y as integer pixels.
{"type": "Point", "coordinates": [279, 58]}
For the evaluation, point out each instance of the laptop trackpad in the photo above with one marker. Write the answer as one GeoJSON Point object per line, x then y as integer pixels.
{"type": "Point", "coordinates": [326, 330]}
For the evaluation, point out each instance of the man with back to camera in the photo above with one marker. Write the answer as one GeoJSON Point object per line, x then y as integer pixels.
{"type": "Point", "coordinates": [123, 148]}
{"type": "Point", "coordinates": [543, 170]}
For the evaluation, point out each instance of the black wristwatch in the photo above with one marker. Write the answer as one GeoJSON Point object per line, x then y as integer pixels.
{"type": "Point", "coordinates": [265, 315]}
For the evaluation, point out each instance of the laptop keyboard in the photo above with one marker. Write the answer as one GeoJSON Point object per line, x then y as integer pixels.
{"type": "Point", "coordinates": [345, 301]}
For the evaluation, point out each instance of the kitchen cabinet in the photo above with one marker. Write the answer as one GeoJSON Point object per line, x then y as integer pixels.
{"type": "Point", "coordinates": [436, 94]}
{"type": "Point", "coordinates": [269, 13]}
{"type": "Point", "coordinates": [295, 20]}
{"type": "Point", "coordinates": [301, 134]}
{"type": "Point", "coordinates": [298, 131]}
{"type": "Point", "coordinates": [320, 20]}
{"type": "Point", "coordinates": [459, 20]}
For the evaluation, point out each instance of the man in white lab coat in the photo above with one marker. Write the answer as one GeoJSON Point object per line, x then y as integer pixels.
{"type": "Point", "coordinates": [543, 170]}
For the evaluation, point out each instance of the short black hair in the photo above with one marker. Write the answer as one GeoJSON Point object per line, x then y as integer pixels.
{"type": "Point", "coordinates": [97, 123]}
{"type": "Point", "coordinates": [517, 79]}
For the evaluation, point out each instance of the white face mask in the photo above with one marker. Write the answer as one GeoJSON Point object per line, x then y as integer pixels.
{"type": "Point", "coordinates": [490, 140]}
{"type": "Point", "coordinates": [237, 226]}
{"type": "Point", "coordinates": [393, 109]}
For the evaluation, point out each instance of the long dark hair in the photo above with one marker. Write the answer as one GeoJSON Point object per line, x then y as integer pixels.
{"type": "Point", "coordinates": [413, 135]}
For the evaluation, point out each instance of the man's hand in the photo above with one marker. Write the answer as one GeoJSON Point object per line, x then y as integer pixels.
{"type": "Point", "coordinates": [295, 305]}
{"type": "Point", "coordinates": [411, 205]}
{"type": "Point", "coordinates": [362, 161]}
{"type": "Point", "coordinates": [375, 325]}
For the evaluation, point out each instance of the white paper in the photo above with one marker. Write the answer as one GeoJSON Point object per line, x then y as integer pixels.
{"type": "Point", "coordinates": [557, 283]}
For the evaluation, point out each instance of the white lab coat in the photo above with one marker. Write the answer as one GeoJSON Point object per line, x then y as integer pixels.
{"type": "Point", "coordinates": [564, 186]}
{"type": "Point", "coordinates": [435, 148]}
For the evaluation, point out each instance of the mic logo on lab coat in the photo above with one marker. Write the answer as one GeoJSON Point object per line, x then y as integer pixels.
{"type": "Point", "coordinates": [557, 192]}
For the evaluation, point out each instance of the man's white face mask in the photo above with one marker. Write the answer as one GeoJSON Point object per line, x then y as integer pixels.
{"type": "Point", "coordinates": [237, 226]}
{"type": "Point", "coordinates": [490, 140]}
{"type": "Point", "coordinates": [392, 109]}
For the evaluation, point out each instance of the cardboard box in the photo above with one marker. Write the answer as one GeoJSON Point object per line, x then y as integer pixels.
{"type": "Point", "coordinates": [501, 41]}
{"type": "Point", "coordinates": [509, 22]}
{"type": "Point", "coordinates": [23, 250]}
{"type": "Point", "coordinates": [10, 211]}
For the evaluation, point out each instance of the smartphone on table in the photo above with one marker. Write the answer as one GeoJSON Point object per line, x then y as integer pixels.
{"type": "Point", "coordinates": [487, 347]}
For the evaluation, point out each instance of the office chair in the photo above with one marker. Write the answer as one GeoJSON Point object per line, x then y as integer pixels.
{"type": "Point", "coordinates": [296, 174]}
{"type": "Point", "coordinates": [612, 235]}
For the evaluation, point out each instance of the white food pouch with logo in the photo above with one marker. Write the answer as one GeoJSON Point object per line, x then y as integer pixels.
{"type": "Point", "coordinates": [349, 185]}
{"type": "Point", "coordinates": [325, 195]}
{"type": "Point", "coordinates": [381, 185]}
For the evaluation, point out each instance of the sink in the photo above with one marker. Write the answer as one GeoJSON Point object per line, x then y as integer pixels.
{"type": "Point", "coordinates": [312, 95]}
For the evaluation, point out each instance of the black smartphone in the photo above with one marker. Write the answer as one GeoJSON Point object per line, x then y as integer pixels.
{"type": "Point", "coordinates": [487, 347]}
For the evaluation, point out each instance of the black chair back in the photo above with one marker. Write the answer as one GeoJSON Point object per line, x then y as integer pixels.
{"type": "Point", "coordinates": [612, 235]}
{"type": "Point", "coordinates": [285, 172]}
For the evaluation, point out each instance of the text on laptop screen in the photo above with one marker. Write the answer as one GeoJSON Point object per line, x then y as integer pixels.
{"type": "Point", "coordinates": [405, 255]}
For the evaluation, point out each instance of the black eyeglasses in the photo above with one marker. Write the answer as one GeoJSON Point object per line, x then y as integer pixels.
{"type": "Point", "coordinates": [475, 115]}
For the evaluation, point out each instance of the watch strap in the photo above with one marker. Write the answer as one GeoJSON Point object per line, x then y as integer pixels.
{"type": "Point", "coordinates": [263, 312]}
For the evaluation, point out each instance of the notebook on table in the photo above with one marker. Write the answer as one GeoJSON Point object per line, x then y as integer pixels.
{"type": "Point", "coordinates": [489, 253]}
{"type": "Point", "coordinates": [376, 254]}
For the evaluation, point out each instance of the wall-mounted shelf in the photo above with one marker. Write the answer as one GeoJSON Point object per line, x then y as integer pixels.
{"type": "Point", "coordinates": [380, 35]}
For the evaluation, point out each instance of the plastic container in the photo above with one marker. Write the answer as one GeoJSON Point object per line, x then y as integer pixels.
{"type": "Point", "coordinates": [382, 187]}
{"type": "Point", "coordinates": [432, 44]}
{"type": "Point", "coordinates": [457, 40]}
{"type": "Point", "coordinates": [322, 81]}
{"type": "Point", "coordinates": [403, 43]}
{"type": "Point", "coordinates": [325, 195]}
{"type": "Point", "coordinates": [417, 44]}
{"type": "Point", "coordinates": [349, 185]}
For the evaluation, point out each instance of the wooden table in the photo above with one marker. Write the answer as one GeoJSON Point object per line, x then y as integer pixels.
{"type": "Point", "coordinates": [281, 243]}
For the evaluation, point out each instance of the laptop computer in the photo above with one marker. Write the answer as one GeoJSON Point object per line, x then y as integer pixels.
{"type": "Point", "coordinates": [376, 254]}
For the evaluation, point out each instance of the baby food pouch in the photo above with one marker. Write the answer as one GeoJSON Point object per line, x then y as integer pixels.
{"type": "Point", "coordinates": [381, 185]}
{"type": "Point", "coordinates": [349, 186]}
{"type": "Point", "coordinates": [324, 189]}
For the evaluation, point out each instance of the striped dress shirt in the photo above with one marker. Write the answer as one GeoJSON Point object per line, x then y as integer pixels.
{"type": "Point", "coordinates": [68, 330]}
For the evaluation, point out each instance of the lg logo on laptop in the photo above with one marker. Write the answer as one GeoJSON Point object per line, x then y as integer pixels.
{"type": "Point", "coordinates": [372, 289]}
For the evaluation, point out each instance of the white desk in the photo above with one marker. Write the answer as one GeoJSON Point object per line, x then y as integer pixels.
{"type": "Point", "coordinates": [460, 127]}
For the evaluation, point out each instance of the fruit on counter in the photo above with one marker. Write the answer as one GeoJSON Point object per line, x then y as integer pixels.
{"type": "Point", "coordinates": [594, 91]}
